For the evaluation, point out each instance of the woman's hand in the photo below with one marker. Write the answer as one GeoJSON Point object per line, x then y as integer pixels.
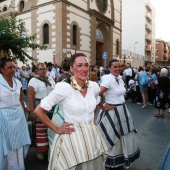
{"type": "Point", "coordinates": [95, 122]}
{"type": "Point", "coordinates": [66, 128]}
{"type": "Point", "coordinates": [107, 107]}
{"type": "Point", "coordinates": [32, 116]}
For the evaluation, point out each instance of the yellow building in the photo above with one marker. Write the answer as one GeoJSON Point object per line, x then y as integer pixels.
{"type": "Point", "coordinates": [66, 26]}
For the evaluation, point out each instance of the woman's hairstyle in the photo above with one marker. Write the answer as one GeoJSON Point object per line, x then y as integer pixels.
{"type": "Point", "coordinates": [154, 71]}
{"type": "Point", "coordinates": [4, 60]}
{"type": "Point", "coordinates": [39, 64]}
{"type": "Point", "coordinates": [34, 68]}
{"type": "Point", "coordinates": [74, 56]}
{"type": "Point", "coordinates": [140, 68]}
{"type": "Point", "coordinates": [65, 64]}
{"type": "Point", "coordinates": [164, 71]}
{"type": "Point", "coordinates": [112, 61]}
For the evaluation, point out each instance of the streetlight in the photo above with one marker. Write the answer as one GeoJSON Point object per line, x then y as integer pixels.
{"type": "Point", "coordinates": [134, 48]}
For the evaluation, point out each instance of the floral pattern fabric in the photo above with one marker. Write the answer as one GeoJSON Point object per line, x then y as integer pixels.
{"type": "Point", "coordinates": [162, 100]}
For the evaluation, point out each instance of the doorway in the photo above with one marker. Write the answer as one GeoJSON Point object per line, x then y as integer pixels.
{"type": "Point", "coordinates": [99, 51]}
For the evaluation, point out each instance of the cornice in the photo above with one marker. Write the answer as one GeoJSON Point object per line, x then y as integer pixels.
{"type": "Point", "coordinates": [93, 12]}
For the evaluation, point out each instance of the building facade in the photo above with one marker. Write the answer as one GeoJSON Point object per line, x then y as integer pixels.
{"type": "Point", "coordinates": [138, 32]}
{"type": "Point", "coordinates": [69, 26]}
{"type": "Point", "coordinates": [162, 55]}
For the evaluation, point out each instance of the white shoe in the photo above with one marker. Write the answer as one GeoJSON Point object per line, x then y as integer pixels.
{"type": "Point", "coordinates": [138, 103]}
{"type": "Point", "coordinates": [40, 156]}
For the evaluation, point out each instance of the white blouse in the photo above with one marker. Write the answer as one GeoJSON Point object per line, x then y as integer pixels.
{"type": "Point", "coordinates": [40, 88]}
{"type": "Point", "coordinates": [10, 97]}
{"type": "Point", "coordinates": [74, 106]}
{"type": "Point", "coordinates": [115, 93]}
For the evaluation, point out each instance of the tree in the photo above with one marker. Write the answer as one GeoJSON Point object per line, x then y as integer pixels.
{"type": "Point", "coordinates": [12, 41]}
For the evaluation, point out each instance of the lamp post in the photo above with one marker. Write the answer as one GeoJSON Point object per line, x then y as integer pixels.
{"type": "Point", "coordinates": [134, 48]}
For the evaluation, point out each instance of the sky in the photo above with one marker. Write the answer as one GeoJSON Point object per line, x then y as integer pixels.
{"type": "Point", "coordinates": [162, 8]}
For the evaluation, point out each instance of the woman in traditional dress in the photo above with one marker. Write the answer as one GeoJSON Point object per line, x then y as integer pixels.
{"type": "Point", "coordinates": [38, 88]}
{"type": "Point", "coordinates": [78, 143]}
{"type": "Point", "coordinates": [116, 125]}
{"type": "Point", "coordinates": [14, 135]}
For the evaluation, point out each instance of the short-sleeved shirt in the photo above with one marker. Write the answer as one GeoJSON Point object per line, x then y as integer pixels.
{"type": "Point", "coordinates": [40, 88]}
{"type": "Point", "coordinates": [75, 108]}
{"type": "Point", "coordinates": [115, 93]}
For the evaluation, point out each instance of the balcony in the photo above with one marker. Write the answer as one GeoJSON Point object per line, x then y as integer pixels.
{"type": "Point", "coordinates": [147, 58]}
{"type": "Point", "coordinates": [148, 27]}
{"type": "Point", "coordinates": [148, 37]}
{"type": "Point", "coordinates": [148, 16]}
{"type": "Point", "coordinates": [148, 6]}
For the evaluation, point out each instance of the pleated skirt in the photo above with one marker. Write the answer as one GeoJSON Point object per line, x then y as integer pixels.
{"type": "Point", "coordinates": [83, 145]}
{"type": "Point", "coordinates": [119, 132]}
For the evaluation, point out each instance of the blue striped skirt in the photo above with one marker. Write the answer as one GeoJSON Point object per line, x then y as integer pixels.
{"type": "Point", "coordinates": [13, 131]}
{"type": "Point", "coordinates": [119, 132]}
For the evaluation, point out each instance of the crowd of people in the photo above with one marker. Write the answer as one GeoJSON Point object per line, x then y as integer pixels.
{"type": "Point", "coordinates": [62, 102]}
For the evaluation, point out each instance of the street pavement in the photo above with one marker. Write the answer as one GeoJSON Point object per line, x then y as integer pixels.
{"type": "Point", "coordinates": [153, 136]}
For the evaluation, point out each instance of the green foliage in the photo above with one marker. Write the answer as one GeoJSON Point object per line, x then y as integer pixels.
{"type": "Point", "coordinates": [12, 43]}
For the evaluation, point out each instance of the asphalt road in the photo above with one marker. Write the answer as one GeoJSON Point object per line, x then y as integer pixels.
{"type": "Point", "coordinates": [153, 136]}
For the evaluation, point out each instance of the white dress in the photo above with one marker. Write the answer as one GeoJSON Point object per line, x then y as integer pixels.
{"type": "Point", "coordinates": [116, 126]}
{"type": "Point", "coordinates": [86, 142]}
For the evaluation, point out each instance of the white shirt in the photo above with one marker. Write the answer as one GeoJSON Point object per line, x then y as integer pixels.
{"type": "Point", "coordinates": [115, 93]}
{"type": "Point", "coordinates": [128, 72]}
{"type": "Point", "coordinates": [40, 88]}
{"type": "Point", "coordinates": [74, 106]}
{"type": "Point", "coordinates": [9, 98]}
{"type": "Point", "coordinates": [51, 74]}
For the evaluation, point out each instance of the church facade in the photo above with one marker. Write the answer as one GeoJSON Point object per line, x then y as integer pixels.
{"type": "Point", "coordinates": [68, 26]}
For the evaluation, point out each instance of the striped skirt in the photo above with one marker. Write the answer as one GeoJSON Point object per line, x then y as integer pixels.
{"type": "Point", "coordinates": [83, 145]}
{"type": "Point", "coordinates": [57, 119]}
{"type": "Point", "coordinates": [41, 137]}
{"type": "Point", "coordinates": [118, 130]}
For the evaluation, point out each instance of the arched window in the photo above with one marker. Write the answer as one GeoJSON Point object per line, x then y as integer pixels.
{"type": "Point", "coordinates": [45, 34]}
{"type": "Point", "coordinates": [117, 47]}
{"type": "Point", "coordinates": [5, 9]}
{"type": "Point", "coordinates": [99, 34]}
{"type": "Point", "coordinates": [74, 34]}
{"type": "Point", "coordinates": [21, 6]}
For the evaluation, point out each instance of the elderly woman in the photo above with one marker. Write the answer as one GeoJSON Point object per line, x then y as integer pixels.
{"type": "Point", "coordinates": [78, 143]}
{"type": "Point", "coordinates": [38, 88]}
{"type": "Point", "coordinates": [162, 101]}
{"type": "Point", "coordinates": [14, 136]}
{"type": "Point", "coordinates": [115, 122]}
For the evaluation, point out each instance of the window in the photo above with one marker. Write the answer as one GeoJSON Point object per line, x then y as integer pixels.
{"type": "Point", "coordinates": [21, 6]}
{"type": "Point", "coordinates": [74, 35]}
{"type": "Point", "coordinates": [102, 5]}
{"type": "Point", "coordinates": [4, 9]}
{"type": "Point", "coordinates": [117, 47]}
{"type": "Point", "coordinates": [45, 34]}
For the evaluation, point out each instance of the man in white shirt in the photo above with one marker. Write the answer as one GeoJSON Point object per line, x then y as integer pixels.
{"type": "Point", "coordinates": [128, 73]}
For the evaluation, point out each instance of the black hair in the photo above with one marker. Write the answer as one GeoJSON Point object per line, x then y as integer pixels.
{"type": "Point", "coordinates": [49, 64]}
{"type": "Point", "coordinates": [4, 60]}
{"type": "Point", "coordinates": [74, 56]}
{"type": "Point", "coordinates": [112, 61]}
